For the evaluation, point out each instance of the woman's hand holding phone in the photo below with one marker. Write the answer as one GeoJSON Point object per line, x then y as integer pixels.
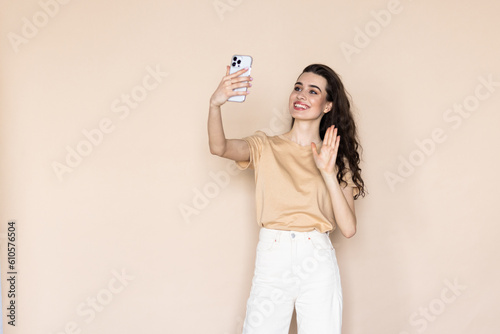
{"type": "Point", "coordinates": [226, 87]}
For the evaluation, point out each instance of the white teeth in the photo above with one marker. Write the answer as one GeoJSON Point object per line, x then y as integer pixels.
{"type": "Point", "coordinates": [300, 106]}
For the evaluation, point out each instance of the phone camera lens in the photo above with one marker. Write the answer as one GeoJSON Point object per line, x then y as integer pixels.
{"type": "Point", "coordinates": [239, 61]}
{"type": "Point", "coordinates": [234, 64]}
{"type": "Point", "coordinates": [235, 58]}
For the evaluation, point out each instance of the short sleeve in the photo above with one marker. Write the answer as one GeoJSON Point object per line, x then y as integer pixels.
{"type": "Point", "coordinates": [350, 182]}
{"type": "Point", "coordinates": [255, 144]}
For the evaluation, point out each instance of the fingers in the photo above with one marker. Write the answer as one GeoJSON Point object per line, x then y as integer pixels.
{"type": "Point", "coordinates": [230, 88]}
{"type": "Point", "coordinates": [240, 85]}
{"type": "Point", "coordinates": [326, 159]}
{"type": "Point", "coordinates": [238, 79]}
{"type": "Point", "coordinates": [231, 83]}
{"type": "Point", "coordinates": [331, 137]}
{"type": "Point", "coordinates": [316, 157]}
{"type": "Point", "coordinates": [326, 140]}
{"type": "Point", "coordinates": [238, 92]}
{"type": "Point", "coordinates": [238, 73]}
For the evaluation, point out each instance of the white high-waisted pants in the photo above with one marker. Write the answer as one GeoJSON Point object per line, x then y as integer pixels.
{"type": "Point", "coordinates": [294, 269]}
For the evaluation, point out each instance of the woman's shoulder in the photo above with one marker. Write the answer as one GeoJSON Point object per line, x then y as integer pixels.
{"type": "Point", "coordinates": [265, 138]}
{"type": "Point", "coordinates": [260, 135]}
{"type": "Point", "coordinates": [258, 139]}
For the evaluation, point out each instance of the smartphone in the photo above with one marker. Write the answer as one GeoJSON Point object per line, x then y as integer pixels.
{"type": "Point", "coordinates": [239, 62]}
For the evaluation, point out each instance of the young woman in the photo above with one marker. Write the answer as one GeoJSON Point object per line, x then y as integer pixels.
{"type": "Point", "coordinates": [306, 182]}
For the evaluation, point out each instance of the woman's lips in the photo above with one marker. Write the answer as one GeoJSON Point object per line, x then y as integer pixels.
{"type": "Point", "coordinates": [300, 106]}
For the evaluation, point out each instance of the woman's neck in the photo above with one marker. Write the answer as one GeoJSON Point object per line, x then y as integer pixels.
{"type": "Point", "coordinates": [304, 133]}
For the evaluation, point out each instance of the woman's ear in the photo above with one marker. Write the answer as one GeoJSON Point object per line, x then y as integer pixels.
{"type": "Point", "coordinates": [328, 107]}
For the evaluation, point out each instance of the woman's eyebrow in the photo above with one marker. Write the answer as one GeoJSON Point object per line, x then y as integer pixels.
{"type": "Point", "coordinates": [300, 83]}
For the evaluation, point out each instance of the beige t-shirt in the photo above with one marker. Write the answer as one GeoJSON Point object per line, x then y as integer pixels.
{"type": "Point", "coordinates": [290, 191]}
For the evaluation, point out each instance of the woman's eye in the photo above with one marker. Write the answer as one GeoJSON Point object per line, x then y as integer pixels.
{"type": "Point", "coordinates": [313, 92]}
{"type": "Point", "coordinates": [297, 88]}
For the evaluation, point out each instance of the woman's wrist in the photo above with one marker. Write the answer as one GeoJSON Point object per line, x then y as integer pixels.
{"type": "Point", "coordinates": [329, 176]}
{"type": "Point", "coordinates": [214, 104]}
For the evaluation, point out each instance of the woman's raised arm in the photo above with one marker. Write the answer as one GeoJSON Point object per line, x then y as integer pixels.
{"type": "Point", "coordinates": [234, 149]}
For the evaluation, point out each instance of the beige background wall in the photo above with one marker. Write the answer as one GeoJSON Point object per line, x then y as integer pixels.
{"type": "Point", "coordinates": [149, 233]}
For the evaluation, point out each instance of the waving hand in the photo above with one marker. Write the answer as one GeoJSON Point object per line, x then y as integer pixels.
{"type": "Point", "coordinates": [325, 159]}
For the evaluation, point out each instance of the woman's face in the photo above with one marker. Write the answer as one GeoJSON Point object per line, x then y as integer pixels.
{"type": "Point", "coordinates": [308, 97]}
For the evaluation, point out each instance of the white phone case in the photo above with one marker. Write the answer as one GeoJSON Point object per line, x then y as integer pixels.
{"type": "Point", "coordinates": [239, 62]}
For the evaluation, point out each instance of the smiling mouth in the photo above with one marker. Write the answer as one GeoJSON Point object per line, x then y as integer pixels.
{"type": "Point", "coordinates": [300, 106]}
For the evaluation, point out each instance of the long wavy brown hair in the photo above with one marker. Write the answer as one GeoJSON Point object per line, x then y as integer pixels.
{"type": "Point", "coordinates": [341, 116]}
